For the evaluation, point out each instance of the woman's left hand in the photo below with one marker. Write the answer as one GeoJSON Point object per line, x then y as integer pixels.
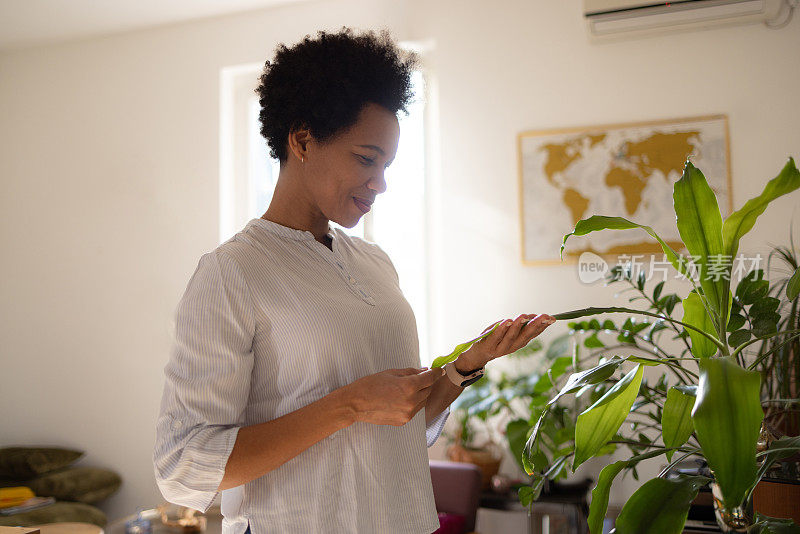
{"type": "Point", "coordinates": [508, 337]}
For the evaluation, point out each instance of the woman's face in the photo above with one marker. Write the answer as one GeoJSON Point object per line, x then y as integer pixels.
{"type": "Point", "coordinates": [352, 164]}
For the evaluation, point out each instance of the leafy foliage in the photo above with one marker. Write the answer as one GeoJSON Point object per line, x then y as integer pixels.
{"type": "Point", "coordinates": [705, 403]}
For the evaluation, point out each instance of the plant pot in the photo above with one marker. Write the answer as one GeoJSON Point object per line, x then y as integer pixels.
{"type": "Point", "coordinates": [487, 459]}
{"type": "Point", "coordinates": [778, 498]}
{"type": "Point", "coordinates": [731, 519]}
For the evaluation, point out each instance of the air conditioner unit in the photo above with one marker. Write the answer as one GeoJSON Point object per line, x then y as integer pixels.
{"type": "Point", "coordinates": [623, 18]}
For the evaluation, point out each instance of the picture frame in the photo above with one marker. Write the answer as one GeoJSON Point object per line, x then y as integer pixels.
{"type": "Point", "coordinates": [627, 169]}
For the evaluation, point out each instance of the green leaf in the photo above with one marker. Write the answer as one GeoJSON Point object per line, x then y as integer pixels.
{"type": "Point", "coordinates": [463, 347]}
{"type": "Point", "coordinates": [602, 222]}
{"type": "Point", "coordinates": [772, 525]}
{"type": "Point", "coordinates": [754, 291]}
{"type": "Point", "coordinates": [793, 287]}
{"type": "Point", "coordinates": [779, 449]}
{"type": "Point", "coordinates": [766, 325]}
{"type": "Point", "coordinates": [765, 306]}
{"type": "Point", "coordinates": [593, 342]}
{"type": "Point", "coordinates": [517, 435]}
{"type": "Point", "coordinates": [700, 226]}
{"type": "Point", "coordinates": [660, 506]}
{"type": "Point", "coordinates": [676, 419]}
{"type": "Point", "coordinates": [525, 494]}
{"type": "Point", "coordinates": [601, 492]}
{"type": "Point", "coordinates": [736, 322]}
{"type": "Point", "coordinates": [657, 291]}
{"type": "Point", "coordinates": [575, 382]}
{"type": "Point", "coordinates": [600, 421]}
{"type": "Point", "coordinates": [738, 337]}
{"type": "Point", "coordinates": [695, 314]}
{"type": "Point", "coordinates": [740, 222]}
{"type": "Point", "coordinates": [727, 419]}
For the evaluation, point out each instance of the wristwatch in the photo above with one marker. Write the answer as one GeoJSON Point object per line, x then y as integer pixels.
{"type": "Point", "coordinates": [462, 379]}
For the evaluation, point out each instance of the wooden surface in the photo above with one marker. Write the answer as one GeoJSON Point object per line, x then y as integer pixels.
{"type": "Point", "coordinates": [19, 530]}
{"type": "Point", "coordinates": [68, 528]}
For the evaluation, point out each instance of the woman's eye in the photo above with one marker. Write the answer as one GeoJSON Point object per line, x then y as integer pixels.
{"type": "Point", "coordinates": [365, 160]}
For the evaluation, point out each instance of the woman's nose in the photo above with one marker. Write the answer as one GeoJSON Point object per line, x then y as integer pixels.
{"type": "Point", "coordinates": [378, 183]}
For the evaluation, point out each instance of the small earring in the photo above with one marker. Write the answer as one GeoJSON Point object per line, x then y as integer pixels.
{"type": "Point", "coordinates": [302, 159]}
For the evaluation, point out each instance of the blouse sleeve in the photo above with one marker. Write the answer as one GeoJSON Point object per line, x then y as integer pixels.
{"type": "Point", "coordinates": [434, 429]}
{"type": "Point", "coordinates": [207, 383]}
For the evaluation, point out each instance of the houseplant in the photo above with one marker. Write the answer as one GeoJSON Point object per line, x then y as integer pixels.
{"type": "Point", "coordinates": [714, 396]}
{"type": "Point", "coordinates": [709, 405]}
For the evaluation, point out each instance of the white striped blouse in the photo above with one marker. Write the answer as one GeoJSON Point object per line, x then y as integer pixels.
{"type": "Point", "coordinates": [271, 321]}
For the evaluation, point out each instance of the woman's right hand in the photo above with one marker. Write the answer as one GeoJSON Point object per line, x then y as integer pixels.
{"type": "Point", "coordinates": [391, 397]}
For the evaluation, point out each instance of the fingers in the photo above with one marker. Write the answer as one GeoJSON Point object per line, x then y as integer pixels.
{"type": "Point", "coordinates": [522, 330]}
{"type": "Point", "coordinates": [490, 327]}
{"type": "Point", "coordinates": [511, 332]}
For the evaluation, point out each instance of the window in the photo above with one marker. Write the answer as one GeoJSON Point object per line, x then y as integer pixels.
{"type": "Point", "coordinates": [397, 221]}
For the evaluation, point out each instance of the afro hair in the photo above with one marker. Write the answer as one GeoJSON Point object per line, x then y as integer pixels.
{"type": "Point", "coordinates": [323, 84]}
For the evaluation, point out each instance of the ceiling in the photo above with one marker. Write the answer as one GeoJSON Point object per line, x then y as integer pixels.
{"type": "Point", "coordinates": [25, 23]}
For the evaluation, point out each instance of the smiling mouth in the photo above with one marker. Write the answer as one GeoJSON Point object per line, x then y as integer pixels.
{"type": "Point", "coordinates": [363, 206]}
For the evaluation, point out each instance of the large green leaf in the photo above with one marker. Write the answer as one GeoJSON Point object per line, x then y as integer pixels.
{"type": "Point", "coordinates": [793, 286]}
{"type": "Point", "coordinates": [660, 506]}
{"type": "Point", "coordinates": [741, 221]}
{"type": "Point", "coordinates": [727, 419]}
{"type": "Point", "coordinates": [601, 492]}
{"type": "Point", "coordinates": [600, 421]}
{"type": "Point", "coordinates": [700, 225]}
{"type": "Point", "coordinates": [676, 419]}
{"type": "Point", "coordinates": [602, 222]}
{"type": "Point", "coordinates": [575, 382]}
{"type": "Point", "coordinates": [694, 313]}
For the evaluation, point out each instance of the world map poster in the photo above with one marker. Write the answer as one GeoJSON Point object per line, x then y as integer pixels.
{"type": "Point", "coordinates": [625, 170]}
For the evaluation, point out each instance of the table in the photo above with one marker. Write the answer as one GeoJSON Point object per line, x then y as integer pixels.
{"type": "Point", "coordinates": [561, 508]}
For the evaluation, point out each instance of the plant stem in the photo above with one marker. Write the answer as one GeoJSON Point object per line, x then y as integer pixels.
{"type": "Point", "coordinates": [584, 312]}
{"type": "Point", "coordinates": [743, 346]}
{"type": "Point", "coordinates": [675, 462]}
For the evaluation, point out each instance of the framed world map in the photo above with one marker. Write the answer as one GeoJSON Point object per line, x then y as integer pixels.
{"type": "Point", "coordinates": [625, 170]}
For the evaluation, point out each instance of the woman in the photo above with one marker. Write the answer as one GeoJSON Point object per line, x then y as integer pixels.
{"type": "Point", "coordinates": [294, 380]}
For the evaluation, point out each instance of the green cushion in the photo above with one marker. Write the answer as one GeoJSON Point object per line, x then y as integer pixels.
{"type": "Point", "coordinates": [83, 484]}
{"type": "Point", "coordinates": [56, 513]}
{"type": "Point", "coordinates": [27, 462]}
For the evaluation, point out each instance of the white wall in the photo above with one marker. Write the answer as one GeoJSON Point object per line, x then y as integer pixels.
{"type": "Point", "coordinates": [109, 177]}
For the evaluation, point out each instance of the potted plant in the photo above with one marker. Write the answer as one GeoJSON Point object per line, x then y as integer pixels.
{"type": "Point", "coordinates": [472, 441]}
{"type": "Point", "coordinates": [778, 360]}
{"type": "Point", "coordinates": [707, 403]}
{"type": "Point", "coordinates": [712, 395]}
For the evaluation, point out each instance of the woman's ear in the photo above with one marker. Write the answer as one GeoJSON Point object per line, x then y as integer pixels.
{"type": "Point", "coordinates": [298, 142]}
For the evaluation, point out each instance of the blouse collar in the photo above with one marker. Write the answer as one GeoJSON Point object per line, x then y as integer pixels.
{"type": "Point", "coordinates": [285, 231]}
